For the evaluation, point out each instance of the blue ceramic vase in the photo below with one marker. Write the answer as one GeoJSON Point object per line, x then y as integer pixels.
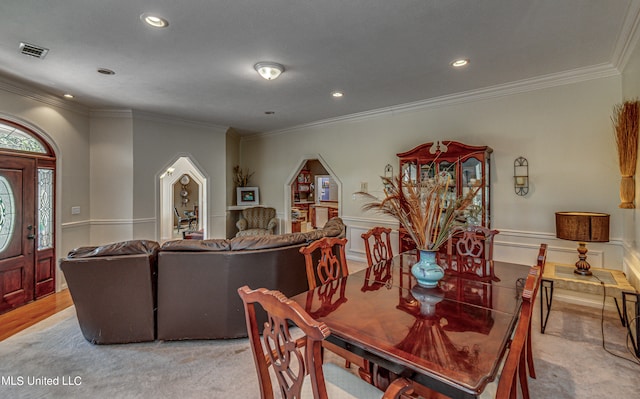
{"type": "Point", "coordinates": [426, 271]}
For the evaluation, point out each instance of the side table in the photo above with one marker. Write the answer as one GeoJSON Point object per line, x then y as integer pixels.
{"type": "Point", "coordinates": [562, 276]}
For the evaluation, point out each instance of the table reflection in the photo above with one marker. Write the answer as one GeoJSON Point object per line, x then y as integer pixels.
{"type": "Point", "coordinates": [427, 338]}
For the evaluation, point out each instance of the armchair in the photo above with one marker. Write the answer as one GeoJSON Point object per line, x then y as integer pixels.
{"type": "Point", "coordinates": [257, 221]}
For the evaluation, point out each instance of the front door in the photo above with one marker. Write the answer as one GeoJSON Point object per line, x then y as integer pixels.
{"type": "Point", "coordinates": [17, 234]}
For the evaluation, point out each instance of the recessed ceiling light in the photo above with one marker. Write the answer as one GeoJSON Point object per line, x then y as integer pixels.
{"type": "Point", "coordinates": [459, 63]}
{"type": "Point", "coordinates": [154, 20]}
{"type": "Point", "coordinates": [106, 71]}
{"type": "Point", "coordinates": [337, 94]}
{"type": "Point", "coordinates": [67, 95]}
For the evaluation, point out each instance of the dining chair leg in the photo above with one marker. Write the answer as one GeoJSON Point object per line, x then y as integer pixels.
{"type": "Point", "coordinates": [522, 372]}
{"type": "Point", "coordinates": [532, 370]}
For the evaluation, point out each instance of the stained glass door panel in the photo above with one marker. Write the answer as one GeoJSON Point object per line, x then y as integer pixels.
{"type": "Point", "coordinates": [17, 210]}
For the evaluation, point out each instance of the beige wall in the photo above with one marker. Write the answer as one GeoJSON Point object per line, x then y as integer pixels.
{"type": "Point", "coordinates": [563, 131]}
{"type": "Point", "coordinates": [157, 143]}
{"type": "Point", "coordinates": [111, 152]}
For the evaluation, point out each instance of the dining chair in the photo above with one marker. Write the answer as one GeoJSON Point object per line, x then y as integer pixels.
{"type": "Point", "coordinates": [470, 250]}
{"type": "Point", "coordinates": [515, 362]}
{"type": "Point", "coordinates": [377, 245]}
{"type": "Point", "coordinates": [296, 362]}
{"type": "Point", "coordinates": [182, 219]}
{"type": "Point", "coordinates": [326, 262]}
{"type": "Point", "coordinates": [540, 263]}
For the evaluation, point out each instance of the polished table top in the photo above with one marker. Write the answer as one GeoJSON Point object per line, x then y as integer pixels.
{"type": "Point", "coordinates": [449, 338]}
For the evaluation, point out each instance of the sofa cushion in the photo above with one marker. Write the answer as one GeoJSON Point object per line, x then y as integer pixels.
{"type": "Point", "coordinates": [333, 228]}
{"type": "Point", "coordinates": [131, 247]}
{"type": "Point", "coordinates": [214, 244]}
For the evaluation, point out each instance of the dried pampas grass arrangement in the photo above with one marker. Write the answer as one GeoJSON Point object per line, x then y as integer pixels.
{"type": "Point", "coordinates": [425, 209]}
{"type": "Point", "coordinates": [625, 122]}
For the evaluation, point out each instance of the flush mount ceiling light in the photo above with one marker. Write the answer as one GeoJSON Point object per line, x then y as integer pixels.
{"type": "Point", "coordinates": [337, 94]}
{"type": "Point", "coordinates": [269, 70]}
{"type": "Point", "coordinates": [68, 95]}
{"type": "Point", "coordinates": [154, 20]}
{"type": "Point", "coordinates": [460, 63]}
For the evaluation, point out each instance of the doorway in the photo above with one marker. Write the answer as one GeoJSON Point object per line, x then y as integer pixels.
{"type": "Point", "coordinates": [27, 217]}
{"type": "Point", "coordinates": [183, 194]}
{"type": "Point", "coordinates": [303, 205]}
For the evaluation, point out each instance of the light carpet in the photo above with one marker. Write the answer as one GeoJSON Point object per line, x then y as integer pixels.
{"type": "Point", "coordinates": [569, 360]}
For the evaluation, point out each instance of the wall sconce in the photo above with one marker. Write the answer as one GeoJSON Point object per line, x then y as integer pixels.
{"type": "Point", "coordinates": [388, 171]}
{"type": "Point", "coordinates": [388, 174]}
{"type": "Point", "coordinates": [521, 176]}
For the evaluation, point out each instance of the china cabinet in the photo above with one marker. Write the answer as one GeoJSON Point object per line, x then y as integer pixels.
{"type": "Point", "coordinates": [469, 168]}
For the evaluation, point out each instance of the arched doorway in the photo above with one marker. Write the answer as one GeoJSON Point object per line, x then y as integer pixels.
{"type": "Point", "coordinates": [172, 183]}
{"type": "Point", "coordinates": [27, 216]}
{"type": "Point", "coordinates": [290, 199]}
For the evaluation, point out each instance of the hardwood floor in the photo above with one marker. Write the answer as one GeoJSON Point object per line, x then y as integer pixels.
{"type": "Point", "coordinates": [25, 316]}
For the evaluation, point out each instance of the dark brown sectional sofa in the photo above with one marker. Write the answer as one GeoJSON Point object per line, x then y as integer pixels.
{"type": "Point", "coordinates": [137, 291]}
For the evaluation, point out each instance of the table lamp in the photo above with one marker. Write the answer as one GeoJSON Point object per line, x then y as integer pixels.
{"type": "Point", "coordinates": [582, 227]}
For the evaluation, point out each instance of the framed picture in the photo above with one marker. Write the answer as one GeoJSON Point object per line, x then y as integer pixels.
{"type": "Point", "coordinates": [248, 195]}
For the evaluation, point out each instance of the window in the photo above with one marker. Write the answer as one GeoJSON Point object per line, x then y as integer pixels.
{"type": "Point", "coordinates": [7, 213]}
{"type": "Point", "coordinates": [45, 208]}
{"type": "Point", "coordinates": [13, 138]}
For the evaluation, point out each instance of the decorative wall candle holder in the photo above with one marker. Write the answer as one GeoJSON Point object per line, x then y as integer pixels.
{"type": "Point", "coordinates": [521, 176]}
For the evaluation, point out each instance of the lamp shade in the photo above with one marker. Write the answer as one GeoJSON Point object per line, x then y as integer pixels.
{"type": "Point", "coordinates": [582, 226]}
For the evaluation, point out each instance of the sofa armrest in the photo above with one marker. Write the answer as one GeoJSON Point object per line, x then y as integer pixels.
{"type": "Point", "coordinates": [273, 223]}
{"type": "Point", "coordinates": [241, 224]}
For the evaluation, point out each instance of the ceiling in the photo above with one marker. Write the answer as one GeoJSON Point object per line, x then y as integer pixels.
{"type": "Point", "coordinates": [381, 54]}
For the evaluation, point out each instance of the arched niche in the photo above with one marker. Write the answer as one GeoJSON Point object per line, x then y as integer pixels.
{"type": "Point", "coordinates": [168, 178]}
{"type": "Point", "coordinates": [292, 178]}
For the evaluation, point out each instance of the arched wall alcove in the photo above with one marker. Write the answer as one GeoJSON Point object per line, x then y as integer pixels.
{"type": "Point", "coordinates": [170, 176]}
{"type": "Point", "coordinates": [292, 177]}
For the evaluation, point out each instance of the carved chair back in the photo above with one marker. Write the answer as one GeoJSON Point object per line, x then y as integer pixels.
{"type": "Point", "coordinates": [325, 260]}
{"type": "Point", "coordinates": [292, 359]}
{"type": "Point", "coordinates": [276, 348]}
{"type": "Point", "coordinates": [471, 251]}
{"type": "Point", "coordinates": [377, 244]}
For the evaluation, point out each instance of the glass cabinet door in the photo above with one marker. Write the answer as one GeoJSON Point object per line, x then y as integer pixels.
{"type": "Point", "coordinates": [473, 179]}
{"type": "Point", "coordinates": [409, 171]}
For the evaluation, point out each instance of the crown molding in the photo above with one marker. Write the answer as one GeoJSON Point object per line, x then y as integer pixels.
{"type": "Point", "coordinates": [517, 87]}
{"type": "Point", "coordinates": [30, 92]}
{"type": "Point", "coordinates": [150, 116]}
{"type": "Point", "coordinates": [111, 113]}
{"type": "Point", "coordinates": [628, 37]}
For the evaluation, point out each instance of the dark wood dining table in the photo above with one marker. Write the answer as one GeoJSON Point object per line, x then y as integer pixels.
{"type": "Point", "coordinates": [450, 339]}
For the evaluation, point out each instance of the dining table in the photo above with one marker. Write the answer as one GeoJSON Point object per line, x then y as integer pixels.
{"type": "Point", "coordinates": [450, 339]}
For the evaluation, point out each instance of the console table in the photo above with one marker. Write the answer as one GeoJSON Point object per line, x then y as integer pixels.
{"type": "Point", "coordinates": [561, 276]}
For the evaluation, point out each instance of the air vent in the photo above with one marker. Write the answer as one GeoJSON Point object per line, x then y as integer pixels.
{"type": "Point", "coordinates": [33, 50]}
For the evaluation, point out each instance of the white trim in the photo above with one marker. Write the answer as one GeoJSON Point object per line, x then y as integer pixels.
{"type": "Point", "coordinates": [182, 164]}
{"type": "Point", "coordinates": [628, 37]}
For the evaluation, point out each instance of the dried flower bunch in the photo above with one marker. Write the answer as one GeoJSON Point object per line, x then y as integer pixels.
{"type": "Point", "coordinates": [625, 123]}
{"type": "Point", "coordinates": [426, 209]}
{"type": "Point", "coordinates": [241, 177]}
